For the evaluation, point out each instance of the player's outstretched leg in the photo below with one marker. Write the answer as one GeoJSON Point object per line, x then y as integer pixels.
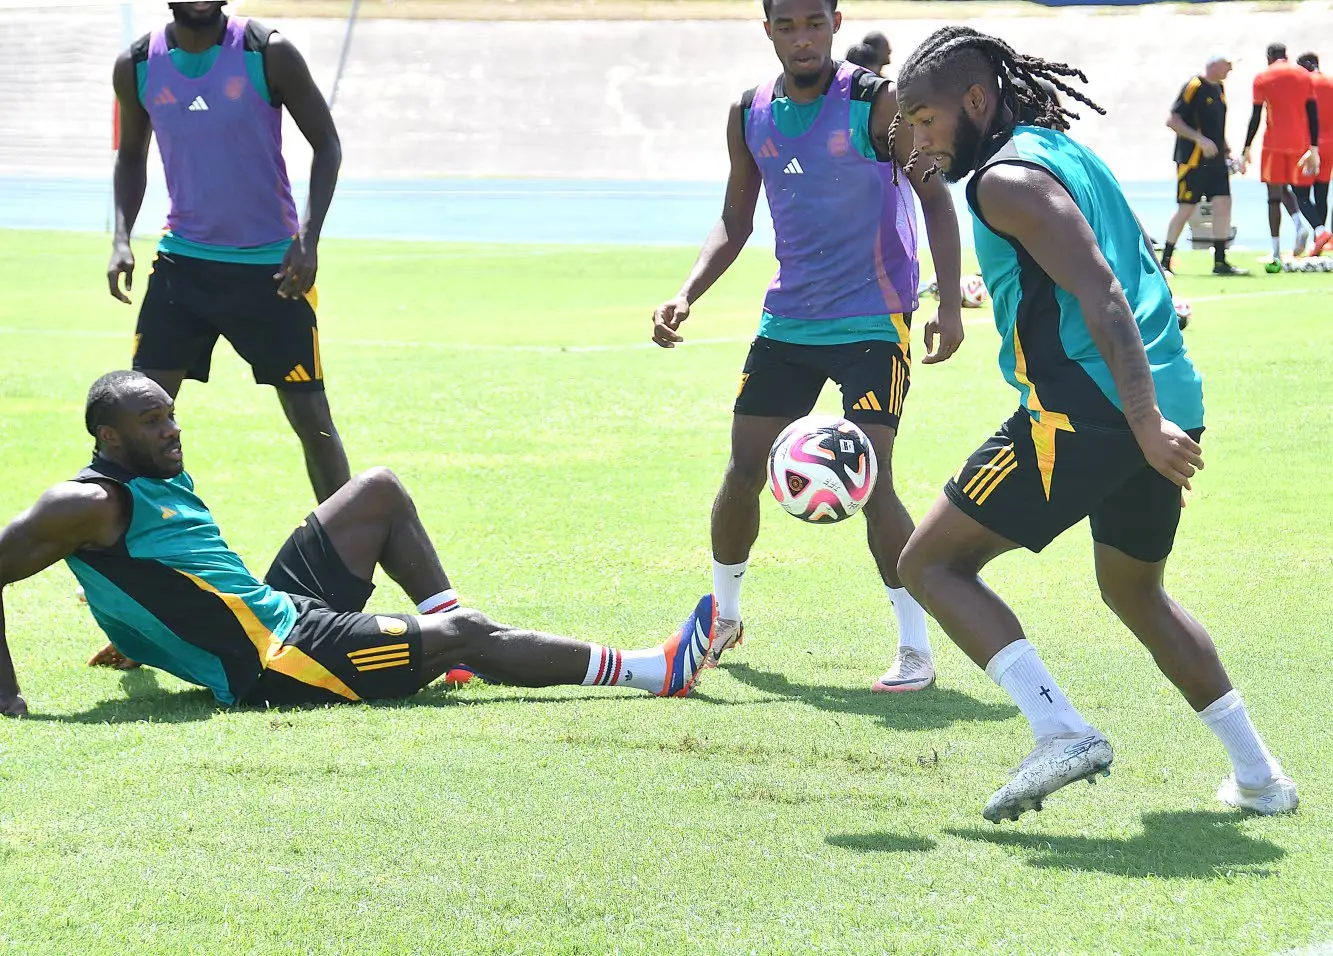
{"type": "Point", "coordinates": [1185, 653]}
{"type": "Point", "coordinates": [941, 566]}
{"type": "Point", "coordinates": [325, 460]}
{"type": "Point", "coordinates": [735, 522]}
{"type": "Point", "coordinates": [511, 655]}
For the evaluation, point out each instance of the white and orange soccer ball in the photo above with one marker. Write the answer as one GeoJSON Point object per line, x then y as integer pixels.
{"type": "Point", "coordinates": [1184, 311]}
{"type": "Point", "coordinates": [822, 469]}
{"type": "Point", "coordinates": [974, 292]}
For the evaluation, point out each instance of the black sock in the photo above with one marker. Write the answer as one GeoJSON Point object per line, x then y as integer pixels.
{"type": "Point", "coordinates": [1219, 252]}
{"type": "Point", "coordinates": [1167, 250]}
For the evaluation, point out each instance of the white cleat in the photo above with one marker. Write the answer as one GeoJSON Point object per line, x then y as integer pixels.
{"type": "Point", "coordinates": [1277, 796]}
{"type": "Point", "coordinates": [726, 635]}
{"type": "Point", "coordinates": [911, 670]}
{"type": "Point", "coordinates": [1302, 239]}
{"type": "Point", "coordinates": [1056, 761]}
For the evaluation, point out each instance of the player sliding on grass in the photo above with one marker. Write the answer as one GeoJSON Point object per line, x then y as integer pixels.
{"type": "Point", "coordinates": [168, 591]}
{"type": "Point", "coordinates": [841, 304]}
{"type": "Point", "coordinates": [1112, 410]}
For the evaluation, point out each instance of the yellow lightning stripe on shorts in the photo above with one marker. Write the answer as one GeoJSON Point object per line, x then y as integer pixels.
{"type": "Point", "coordinates": [274, 655]}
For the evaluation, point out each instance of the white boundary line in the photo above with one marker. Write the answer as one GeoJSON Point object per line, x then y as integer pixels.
{"type": "Point", "coordinates": [445, 345]}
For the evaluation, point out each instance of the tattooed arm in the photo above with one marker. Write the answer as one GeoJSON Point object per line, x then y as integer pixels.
{"type": "Point", "coordinates": [1034, 209]}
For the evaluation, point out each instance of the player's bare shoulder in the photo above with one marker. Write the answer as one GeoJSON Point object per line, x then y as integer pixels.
{"type": "Point", "coordinates": [91, 513]}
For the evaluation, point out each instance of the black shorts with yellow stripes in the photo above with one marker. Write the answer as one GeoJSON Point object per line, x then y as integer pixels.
{"type": "Point", "coordinates": [335, 652]}
{"type": "Point", "coordinates": [1196, 182]}
{"type": "Point", "coordinates": [783, 380]}
{"type": "Point", "coordinates": [1030, 482]}
{"type": "Point", "coordinates": [191, 301]}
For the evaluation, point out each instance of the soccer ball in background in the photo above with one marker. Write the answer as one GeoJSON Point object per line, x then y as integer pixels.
{"type": "Point", "coordinates": [974, 292]}
{"type": "Point", "coordinates": [972, 289]}
{"type": "Point", "coordinates": [822, 469]}
{"type": "Point", "coordinates": [1184, 311]}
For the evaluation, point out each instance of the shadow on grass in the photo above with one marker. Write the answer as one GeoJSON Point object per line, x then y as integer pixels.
{"type": "Point", "coordinates": [145, 699]}
{"type": "Point", "coordinates": [880, 842]}
{"type": "Point", "coordinates": [1188, 845]}
{"type": "Point", "coordinates": [932, 709]}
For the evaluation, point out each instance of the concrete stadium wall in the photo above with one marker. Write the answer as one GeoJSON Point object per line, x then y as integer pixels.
{"type": "Point", "coordinates": [607, 99]}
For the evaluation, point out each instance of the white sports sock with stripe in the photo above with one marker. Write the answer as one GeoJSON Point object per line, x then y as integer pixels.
{"type": "Point", "coordinates": [442, 603]}
{"type": "Point", "coordinates": [642, 670]}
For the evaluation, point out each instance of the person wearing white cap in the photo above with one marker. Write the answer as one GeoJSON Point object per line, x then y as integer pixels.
{"type": "Point", "coordinates": [1199, 119]}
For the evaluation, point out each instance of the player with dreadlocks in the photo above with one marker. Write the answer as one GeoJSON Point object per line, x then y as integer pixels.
{"type": "Point", "coordinates": [1110, 418]}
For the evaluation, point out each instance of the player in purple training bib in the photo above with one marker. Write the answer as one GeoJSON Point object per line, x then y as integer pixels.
{"type": "Point", "coordinates": [841, 304]}
{"type": "Point", "coordinates": [235, 260]}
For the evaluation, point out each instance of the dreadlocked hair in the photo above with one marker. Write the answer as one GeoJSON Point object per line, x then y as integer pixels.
{"type": "Point", "coordinates": [1028, 84]}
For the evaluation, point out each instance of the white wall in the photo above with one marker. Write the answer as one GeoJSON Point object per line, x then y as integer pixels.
{"type": "Point", "coordinates": [608, 99]}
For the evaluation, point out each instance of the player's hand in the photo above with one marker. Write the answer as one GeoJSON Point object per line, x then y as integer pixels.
{"type": "Point", "coordinates": [666, 320]}
{"type": "Point", "coordinates": [1207, 147]}
{"type": "Point", "coordinates": [1169, 450]}
{"type": "Point", "coordinates": [1244, 160]}
{"type": "Point", "coordinates": [1310, 161]}
{"type": "Point", "coordinates": [110, 657]}
{"type": "Point", "coordinates": [296, 275]}
{"type": "Point", "coordinates": [12, 704]}
{"type": "Point", "coordinates": [944, 333]}
{"type": "Point", "coordinates": [122, 263]}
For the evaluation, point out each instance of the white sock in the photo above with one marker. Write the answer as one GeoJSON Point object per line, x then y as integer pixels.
{"type": "Point", "coordinates": [1277, 247]}
{"type": "Point", "coordinates": [1255, 767]}
{"type": "Point", "coordinates": [442, 603]}
{"type": "Point", "coordinates": [1019, 671]}
{"type": "Point", "coordinates": [643, 670]}
{"type": "Point", "coordinates": [911, 620]}
{"type": "Point", "coordinates": [727, 579]}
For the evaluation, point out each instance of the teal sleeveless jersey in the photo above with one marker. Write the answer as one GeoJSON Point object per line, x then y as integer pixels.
{"type": "Point", "coordinates": [1046, 350]}
{"type": "Point", "coordinates": [171, 594]}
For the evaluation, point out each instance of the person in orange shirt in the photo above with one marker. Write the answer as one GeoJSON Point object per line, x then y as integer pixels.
{"type": "Point", "coordinates": [1286, 91]}
{"type": "Point", "coordinates": [1316, 208]}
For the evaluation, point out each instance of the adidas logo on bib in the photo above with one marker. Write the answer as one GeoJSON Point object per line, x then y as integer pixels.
{"type": "Point", "coordinates": [198, 105]}
{"type": "Point", "coordinates": [793, 167]}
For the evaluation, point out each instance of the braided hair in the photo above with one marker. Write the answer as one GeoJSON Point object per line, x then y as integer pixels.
{"type": "Point", "coordinates": [1028, 84]}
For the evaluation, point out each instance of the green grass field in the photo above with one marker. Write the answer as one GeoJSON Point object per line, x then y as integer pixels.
{"type": "Point", "coordinates": [566, 469]}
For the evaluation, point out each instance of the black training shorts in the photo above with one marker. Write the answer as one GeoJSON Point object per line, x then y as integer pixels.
{"type": "Point", "coordinates": [782, 380]}
{"type": "Point", "coordinates": [337, 653]}
{"type": "Point", "coordinates": [1207, 180]}
{"type": "Point", "coordinates": [190, 302]}
{"type": "Point", "coordinates": [1029, 483]}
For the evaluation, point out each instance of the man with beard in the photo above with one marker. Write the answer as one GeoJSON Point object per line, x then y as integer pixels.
{"type": "Point", "coordinates": [234, 260]}
{"type": "Point", "coordinates": [1110, 418]}
{"type": "Point", "coordinates": [164, 586]}
{"type": "Point", "coordinates": [841, 304]}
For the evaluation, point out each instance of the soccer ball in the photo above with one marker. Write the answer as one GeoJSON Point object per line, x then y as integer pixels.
{"type": "Point", "coordinates": [1184, 311]}
{"type": "Point", "coordinates": [974, 292]}
{"type": "Point", "coordinates": [822, 469]}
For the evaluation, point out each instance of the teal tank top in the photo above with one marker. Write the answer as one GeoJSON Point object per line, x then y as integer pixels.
{"type": "Point", "coordinates": [172, 595]}
{"type": "Point", "coordinates": [1046, 350]}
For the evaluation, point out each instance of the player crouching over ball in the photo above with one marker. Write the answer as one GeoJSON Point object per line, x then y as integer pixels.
{"type": "Point", "coordinates": [168, 592]}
